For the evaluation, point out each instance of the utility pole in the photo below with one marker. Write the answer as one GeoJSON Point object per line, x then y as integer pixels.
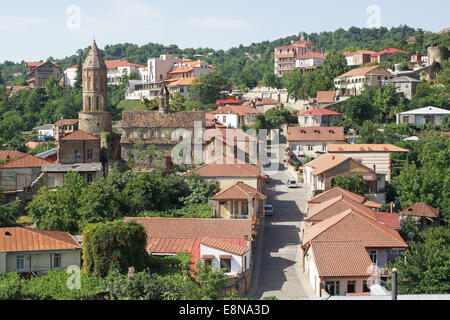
{"type": "Point", "coordinates": [394, 284]}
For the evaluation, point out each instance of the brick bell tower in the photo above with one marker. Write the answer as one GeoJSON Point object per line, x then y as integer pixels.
{"type": "Point", "coordinates": [95, 117]}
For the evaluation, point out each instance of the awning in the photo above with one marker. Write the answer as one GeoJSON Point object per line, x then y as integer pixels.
{"type": "Point", "coordinates": [225, 257]}
{"type": "Point", "coordinates": [207, 257]}
{"type": "Point", "coordinates": [369, 178]}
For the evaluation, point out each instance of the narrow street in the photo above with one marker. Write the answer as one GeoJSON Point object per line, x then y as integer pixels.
{"type": "Point", "coordinates": [277, 270]}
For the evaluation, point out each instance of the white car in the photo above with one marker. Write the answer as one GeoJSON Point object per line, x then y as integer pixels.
{"type": "Point", "coordinates": [268, 209]}
{"type": "Point", "coordinates": [292, 184]}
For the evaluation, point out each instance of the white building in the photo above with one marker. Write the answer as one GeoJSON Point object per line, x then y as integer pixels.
{"type": "Point", "coordinates": [116, 69]}
{"type": "Point", "coordinates": [45, 130]}
{"type": "Point", "coordinates": [309, 60]}
{"type": "Point", "coordinates": [423, 116]}
{"type": "Point", "coordinates": [158, 68]}
{"type": "Point", "coordinates": [27, 250]}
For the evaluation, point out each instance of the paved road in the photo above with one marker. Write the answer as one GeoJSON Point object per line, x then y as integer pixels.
{"type": "Point", "coordinates": [277, 259]}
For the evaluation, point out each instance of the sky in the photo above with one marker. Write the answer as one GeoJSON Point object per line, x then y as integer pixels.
{"type": "Point", "coordinates": [37, 30]}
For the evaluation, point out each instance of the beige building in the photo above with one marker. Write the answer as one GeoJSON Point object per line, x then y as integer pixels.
{"type": "Point", "coordinates": [340, 254]}
{"type": "Point", "coordinates": [285, 57]}
{"type": "Point", "coordinates": [312, 142]}
{"type": "Point", "coordinates": [64, 126]}
{"type": "Point", "coordinates": [78, 152]}
{"type": "Point", "coordinates": [226, 171]}
{"type": "Point", "coordinates": [33, 251]}
{"type": "Point", "coordinates": [318, 118]}
{"type": "Point", "coordinates": [39, 72]}
{"type": "Point", "coordinates": [374, 156]}
{"type": "Point", "coordinates": [319, 173]}
{"type": "Point", "coordinates": [239, 201]}
{"type": "Point", "coordinates": [353, 82]}
{"type": "Point", "coordinates": [268, 103]}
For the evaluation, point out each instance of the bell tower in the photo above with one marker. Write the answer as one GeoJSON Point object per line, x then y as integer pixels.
{"type": "Point", "coordinates": [95, 117]}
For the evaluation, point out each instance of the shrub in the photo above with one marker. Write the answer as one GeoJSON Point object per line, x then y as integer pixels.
{"type": "Point", "coordinates": [114, 246]}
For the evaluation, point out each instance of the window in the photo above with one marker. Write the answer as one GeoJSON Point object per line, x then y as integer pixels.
{"type": "Point", "coordinates": [294, 147]}
{"type": "Point", "coordinates": [405, 119]}
{"type": "Point", "coordinates": [89, 178]}
{"type": "Point", "coordinates": [208, 262]}
{"type": "Point", "coordinates": [324, 148]}
{"type": "Point", "coordinates": [373, 255]}
{"type": "Point", "coordinates": [365, 286]}
{"type": "Point", "coordinates": [224, 119]}
{"type": "Point", "coordinates": [332, 287]}
{"type": "Point", "coordinates": [310, 148]}
{"type": "Point", "coordinates": [89, 154]}
{"type": "Point", "coordinates": [77, 155]}
{"type": "Point", "coordinates": [225, 263]}
{"type": "Point", "coordinates": [20, 262]}
{"type": "Point", "coordinates": [51, 182]}
{"type": "Point", "coordinates": [351, 286]}
{"type": "Point", "coordinates": [245, 263]}
{"type": "Point", "coordinates": [57, 260]}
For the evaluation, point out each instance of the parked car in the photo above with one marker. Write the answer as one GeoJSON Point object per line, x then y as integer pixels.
{"type": "Point", "coordinates": [292, 184]}
{"type": "Point", "coordinates": [268, 210]}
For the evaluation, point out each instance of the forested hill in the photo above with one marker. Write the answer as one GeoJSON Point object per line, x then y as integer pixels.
{"type": "Point", "coordinates": [243, 59]}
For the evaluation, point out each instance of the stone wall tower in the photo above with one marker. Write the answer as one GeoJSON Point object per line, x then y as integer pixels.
{"type": "Point", "coordinates": [95, 117]}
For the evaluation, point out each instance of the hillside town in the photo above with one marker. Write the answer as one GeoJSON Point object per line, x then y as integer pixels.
{"type": "Point", "coordinates": [326, 177]}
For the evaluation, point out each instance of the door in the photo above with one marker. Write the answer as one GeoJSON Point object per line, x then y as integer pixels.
{"type": "Point", "coordinates": [21, 181]}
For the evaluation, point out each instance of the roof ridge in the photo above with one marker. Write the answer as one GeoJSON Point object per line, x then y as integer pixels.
{"type": "Point", "coordinates": [48, 236]}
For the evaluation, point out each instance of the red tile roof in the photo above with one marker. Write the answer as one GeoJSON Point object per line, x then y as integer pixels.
{"type": "Point", "coordinates": [316, 134]}
{"type": "Point", "coordinates": [238, 191]}
{"type": "Point", "coordinates": [312, 55]}
{"type": "Point", "coordinates": [326, 162]}
{"type": "Point", "coordinates": [373, 204]}
{"type": "Point", "coordinates": [319, 112]}
{"type": "Point", "coordinates": [7, 155]}
{"type": "Point", "coordinates": [23, 239]}
{"type": "Point", "coordinates": [390, 220]}
{"type": "Point", "coordinates": [330, 208]}
{"type": "Point", "coordinates": [362, 72]}
{"type": "Point", "coordinates": [27, 161]}
{"type": "Point", "coordinates": [354, 226]}
{"type": "Point", "coordinates": [389, 51]}
{"type": "Point", "coordinates": [225, 246]}
{"type": "Point", "coordinates": [268, 102]}
{"type": "Point", "coordinates": [335, 192]}
{"type": "Point", "coordinates": [174, 235]}
{"type": "Point", "coordinates": [114, 64]}
{"type": "Point", "coordinates": [230, 101]}
{"type": "Point", "coordinates": [326, 96]}
{"type": "Point", "coordinates": [66, 122]}
{"type": "Point", "coordinates": [421, 209]}
{"type": "Point", "coordinates": [227, 167]}
{"type": "Point", "coordinates": [79, 136]}
{"type": "Point", "coordinates": [240, 110]}
{"type": "Point", "coordinates": [365, 148]}
{"type": "Point", "coordinates": [341, 259]}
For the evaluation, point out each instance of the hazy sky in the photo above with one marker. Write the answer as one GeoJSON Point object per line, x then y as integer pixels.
{"type": "Point", "coordinates": [35, 30]}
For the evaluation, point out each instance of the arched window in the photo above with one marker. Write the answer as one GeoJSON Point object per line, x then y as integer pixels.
{"type": "Point", "coordinates": [89, 104]}
{"type": "Point", "coordinates": [99, 103]}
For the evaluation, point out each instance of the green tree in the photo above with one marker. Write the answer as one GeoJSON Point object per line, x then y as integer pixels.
{"type": "Point", "coordinates": [355, 184]}
{"type": "Point", "coordinates": [445, 124]}
{"type": "Point", "coordinates": [58, 210]}
{"type": "Point", "coordinates": [200, 191]}
{"type": "Point", "coordinates": [207, 88]}
{"type": "Point", "coordinates": [150, 104]}
{"type": "Point", "coordinates": [42, 148]}
{"type": "Point", "coordinates": [249, 80]}
{"type": "Point", "coordinates": [335, 64]}
{"type": "Point", "coordinates": [10, 286]}
{"type": "Point", "coordinates": [79, 77]}
{"type": "Point", "coordinates": [271, 80]}
{"type": "Point", "coordinates": [425, 267]}
{"type": "Point", "coordinates": [293, 81]}
{"type": "Point", "coordinates": [276, 118]}
{"type": "Point", "coordinates": [177, 102]}
{"type": "Point", "coordinates": [369, 133]}
{"type": "Point", "coordinates": [113, 246]}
